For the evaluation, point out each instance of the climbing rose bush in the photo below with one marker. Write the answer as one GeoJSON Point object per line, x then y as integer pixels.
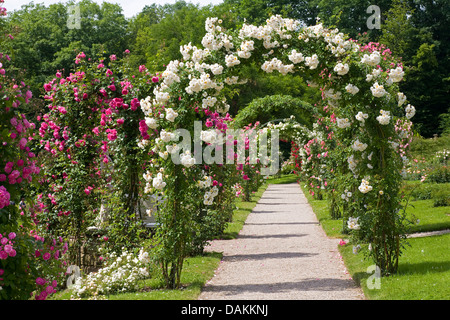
{"type": "Point", "coordinates": [89, 149]}
{"type": "Point", "coordinates": [28, 261]}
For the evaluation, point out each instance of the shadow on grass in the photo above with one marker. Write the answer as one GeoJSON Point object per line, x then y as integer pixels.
{"type": "Point", "coordinates": [424, 267]}
{"type": "Point", "coordinates": [407, 269]}
{"type": "Point", "coordinates": [430, 227]}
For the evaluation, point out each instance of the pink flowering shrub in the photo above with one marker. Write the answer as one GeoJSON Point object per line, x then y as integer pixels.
{"type": "Point", "coordinates": [19, 240]}
{"type": "Point", "coordinates": [88, 149]}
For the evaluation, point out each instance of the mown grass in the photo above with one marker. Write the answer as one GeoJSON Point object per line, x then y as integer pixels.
{"type": "Point", "coordinates": [424, 266]}
{"type": "Point", "coordinates": [423, 273]}
{"type": "Point", "coordinates": [425, 217]}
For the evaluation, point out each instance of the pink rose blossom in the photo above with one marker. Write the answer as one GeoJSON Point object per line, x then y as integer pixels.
{"type": "Point", "coordinates": [12, 253]}
{"type": "Point", "coordinates": [47, 87]}
{"type": "Point", "coordinates": [3, 255]}
{"type": "Point", "coordinates": [4, 198]}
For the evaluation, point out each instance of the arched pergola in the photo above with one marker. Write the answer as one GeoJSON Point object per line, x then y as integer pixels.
{"type": "Point", "coordinates": [359, 88]}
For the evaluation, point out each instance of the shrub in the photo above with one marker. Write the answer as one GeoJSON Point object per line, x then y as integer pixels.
{"type": "Point", "coordinates": [120, 274]}
{"type": "Point", "coordinates": [440, 174]}
{"type": "Point", "coordinates": [441, 197]}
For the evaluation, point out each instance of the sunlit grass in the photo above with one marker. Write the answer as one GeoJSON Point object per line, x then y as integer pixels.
{"type": "Point", "coordinates": [424, 265]}
{"type": "Point", "coordinates": [423, 273]}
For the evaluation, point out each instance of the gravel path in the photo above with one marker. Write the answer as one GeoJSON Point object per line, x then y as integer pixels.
{"type": "Point", "coordinates": [281, 253]}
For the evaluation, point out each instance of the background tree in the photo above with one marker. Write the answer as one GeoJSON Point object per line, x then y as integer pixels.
{"type": "Point", "coordinates": [424, 83]}
{"type": "Point", "coordinates": [44, 43]}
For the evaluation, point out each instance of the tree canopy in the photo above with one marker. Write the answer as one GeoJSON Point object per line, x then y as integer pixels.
{"type": "Point", "coordinates": [415, 30]}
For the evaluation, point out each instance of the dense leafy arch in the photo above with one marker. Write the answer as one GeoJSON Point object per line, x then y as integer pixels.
{"type": "Point", "coordinates": [274, 107]}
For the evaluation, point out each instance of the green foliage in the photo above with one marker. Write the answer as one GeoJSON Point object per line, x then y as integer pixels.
{"type": "Point", "coordinates": [44, 43]}
{"type": "Point", "coordinates": [427, 148]}
{"type": "Point", "coordinates": [275, 107]}
{"type": "Point", "coordinates": [444, 123]}
{"type": "Point", "coordinates": [441, 197]}
{"type": "Point", "coordinates": [413, 31]}
{"type": "Point", "coordinates": [440, 174]}
{"type": "Point", "coordinates": [159, 31]}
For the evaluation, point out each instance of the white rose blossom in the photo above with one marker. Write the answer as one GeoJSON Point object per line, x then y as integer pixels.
{"type": "Point", "coordinates": [350, 88]}
{"type": "Point", "coordinates": [401, 98]}
{"type": "Point", "coordinates": [152, 123]}
{"type": "Point", "coordinates": [364, 186]}
{"type": "Point", "coordinates": [171, 114]}
{"type": "Point", "coordinates": [384, 117]}
{"type": "Point", "coordinates": [312, 62]}
{"type": "Point", "coordinates": [158, 182]}
{"type": "Point", "coordinates": [378, 90]}
{"type": "Point", "coordinates": [361, 116]}
{"type": "Point", "coordinates": [341, 69]}
{"type": "Point", "coordinates": [353, 224]}
{"type": "Point", "coordinates": [410, 111]}
{"type": "Point", "coordinates": [186, 159]}
{"type": "Point", "coordinates": [396, 74]}
{"type": "Point", "coordinates": [343, 123]}
{"type": "Point", "coordinates": [296, 57]}
{"type": "Point", "coordinates": [359, 146]}
{"type": "Point", "coordinates": [373, 59]}
{"type": "Point", "coordinates": [231, 60]}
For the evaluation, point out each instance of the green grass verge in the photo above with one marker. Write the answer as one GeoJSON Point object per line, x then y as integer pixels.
{"type": "Point", "coordinates": [423, 273]}
{"type": "Point", "coordinates": [332, 227]}
{"type": "Point", "coordinates": [424, 266]}
{"type": "Point", "coordinates": [426, 217]}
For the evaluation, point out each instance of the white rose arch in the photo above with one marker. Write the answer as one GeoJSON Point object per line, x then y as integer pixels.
{"type": "Point", "coordinates": [359, 84]}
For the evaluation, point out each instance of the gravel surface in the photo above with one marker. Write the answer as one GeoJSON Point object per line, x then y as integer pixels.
{"type": "Point", "coordinates": [281, 253]}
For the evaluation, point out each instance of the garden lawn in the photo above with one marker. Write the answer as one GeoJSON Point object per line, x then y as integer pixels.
{"type": "Point", "coordinates": [424, 266]}
{"type": "Point", "coordinates": [426, 218]}
{"type": "Point", "coordinates": [423, 273]}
